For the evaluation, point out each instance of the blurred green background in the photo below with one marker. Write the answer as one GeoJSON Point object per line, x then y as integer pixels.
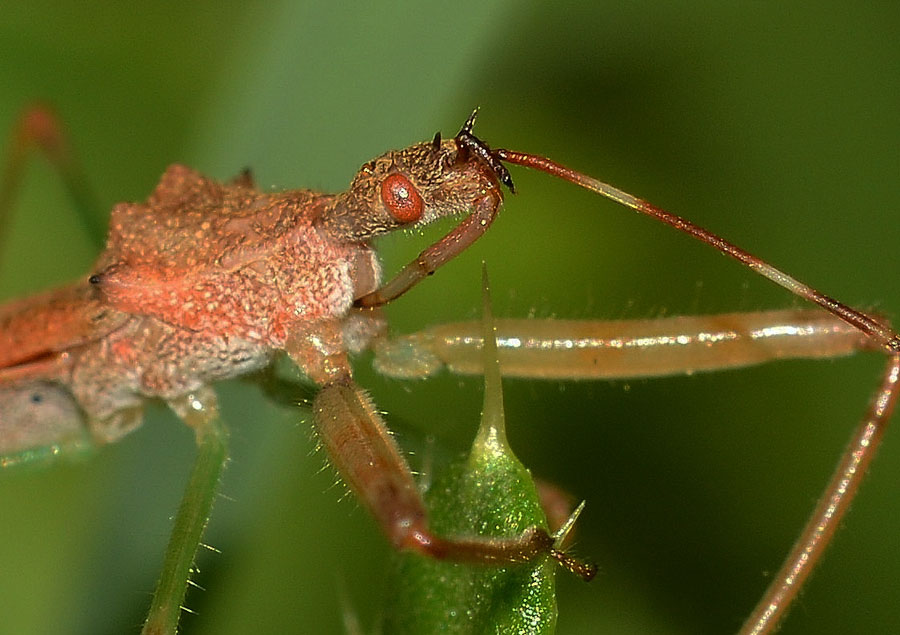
{"type": "Point", "coordinates": [775, 125]}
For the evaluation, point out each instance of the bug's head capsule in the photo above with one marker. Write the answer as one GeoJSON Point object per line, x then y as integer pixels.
{"type": "Point", "coordinates": [417, 185]}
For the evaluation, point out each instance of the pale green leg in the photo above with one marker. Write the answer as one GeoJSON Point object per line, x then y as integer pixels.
{"type": "Point", "coordinates": [212, 440]}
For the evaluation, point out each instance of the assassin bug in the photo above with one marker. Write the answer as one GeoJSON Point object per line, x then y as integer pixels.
{"type": "Point", "coordinates": [152, 320]}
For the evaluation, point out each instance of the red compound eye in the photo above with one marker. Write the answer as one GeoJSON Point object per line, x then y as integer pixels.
{"type": "Point", "coordinates": [401, 198]}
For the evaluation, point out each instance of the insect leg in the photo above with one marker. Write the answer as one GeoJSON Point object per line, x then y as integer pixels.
{"type": "Point", "coordinates": [622, 349]}
{"type": "Point", "coordinates": [833, 504]}
{"type": "Point", "coordinates": [362, 450]}
{"type": "Point", "coordinates": [200, 412]}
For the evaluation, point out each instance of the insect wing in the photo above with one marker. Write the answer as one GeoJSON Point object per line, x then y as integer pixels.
{"type": "Point", "coordinates": [39, 327]}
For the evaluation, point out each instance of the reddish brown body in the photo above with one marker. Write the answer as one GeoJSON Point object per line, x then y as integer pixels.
{"type": "Point", "coordinates": [203, 282]}
{"type": "Point", "coordinates": [231, 260]}
{"type": "Point", "coordinates": [208, 281]}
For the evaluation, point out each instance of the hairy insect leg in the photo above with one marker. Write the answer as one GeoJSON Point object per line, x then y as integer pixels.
{"type": "Point", "coordinates": [39, 127]}
{"type": "Point", "coordinates": [622, 349]}
{"type": "Point", "coordinates": [200, 412]}
{"type": "Point", "coordinates": [366, 456]}
{"type": "Point", "coordinates": [833, 504]}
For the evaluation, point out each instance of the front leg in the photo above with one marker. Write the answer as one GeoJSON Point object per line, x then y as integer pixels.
{"type": "Point", "coordinates": [366, 456]}
{"type": "Point", "coordinates": [364, 453]}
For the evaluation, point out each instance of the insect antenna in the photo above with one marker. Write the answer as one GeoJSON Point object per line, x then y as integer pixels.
{"type": "Point", "coordinates": [469, 143]}
{"type": "Point", "coordinates": [880, 333]}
